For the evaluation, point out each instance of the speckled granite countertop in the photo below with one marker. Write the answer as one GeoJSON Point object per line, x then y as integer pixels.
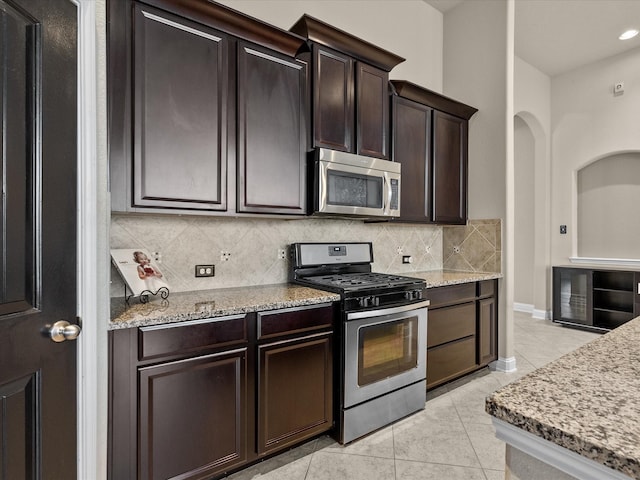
{"type": "Point", "coordinates": [587, 401]}
{"type": "Point", "coordinates": [440, 278]}
{"type": "Point", "coordinates": [184, 306]}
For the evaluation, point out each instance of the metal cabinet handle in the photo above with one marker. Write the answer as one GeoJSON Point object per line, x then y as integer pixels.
{"type": "Point", "coordinates": [63, 330]}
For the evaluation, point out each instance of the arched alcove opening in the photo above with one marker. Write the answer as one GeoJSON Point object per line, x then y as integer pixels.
{"type": "Point", "coordinates": [608, 191]}
{"type": "Point", "coordinates": [524, 185]}
{"type": "Point", "coordinates": [532, 242]}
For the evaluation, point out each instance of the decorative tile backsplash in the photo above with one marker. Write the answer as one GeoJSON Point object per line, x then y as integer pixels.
{"type": "Point", "coordinates": [251, 246]}
{"type": "Point", "coordinates": [475, 247]}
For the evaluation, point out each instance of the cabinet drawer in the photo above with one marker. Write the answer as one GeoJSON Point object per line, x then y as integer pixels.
{"type": "Point", "coordinates": [190, 337]}
{"type": "Point", "coordinates": [486, 288]}
{"type": "Point", "coordinates": [451, 360]}
{"type": "Point", "coordinates": [451, 323]}
{"type": "Point", "coordinates": [451, 294]}
{"type": "Point", "coordinates": [294, 320]}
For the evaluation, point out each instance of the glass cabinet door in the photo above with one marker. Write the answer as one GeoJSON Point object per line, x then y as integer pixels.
{"type": "Point", "coordinates": [571, 298]}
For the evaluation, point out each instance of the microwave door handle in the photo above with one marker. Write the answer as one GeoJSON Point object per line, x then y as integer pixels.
{"type": "Point", "coordinates": [389, 194]}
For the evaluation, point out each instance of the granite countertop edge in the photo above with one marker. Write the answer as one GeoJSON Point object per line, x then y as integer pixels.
{"type": "Point", "coordinates": [203, 304]}
{"type": "Point", "coordinates": [580, 403]}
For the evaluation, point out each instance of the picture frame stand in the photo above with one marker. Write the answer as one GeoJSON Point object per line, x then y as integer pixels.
{"type": "Point", "coordinates": [144, 295]}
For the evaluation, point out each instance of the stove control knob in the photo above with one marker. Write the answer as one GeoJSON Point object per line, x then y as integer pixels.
{"type": "Point", "coordinates": [418, 295]}
{"type": "Point", "coordinates": [408, 295]}
{"type": "Point", "coordinates": [366, 301]}
{"type": "Point", "coordinates": [375, 301]}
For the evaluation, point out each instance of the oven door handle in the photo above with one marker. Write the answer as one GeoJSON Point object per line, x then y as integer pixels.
{"type": "Point", "coordinates": [387, 311]}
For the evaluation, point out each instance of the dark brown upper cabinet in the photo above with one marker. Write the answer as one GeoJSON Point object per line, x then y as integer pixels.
{"type": "Point", "coordinates": [207, 111]}
{"type": "Point", "coordinates": [350, 100]}
{"type": "Point", "coordinates": [430, 139]}
{"type": "Point", "coordinates": [172, 131]}
{"type": "Point", "coordinates": [412, 149]}
{"type": "Point", "coordinates": [272, 133]}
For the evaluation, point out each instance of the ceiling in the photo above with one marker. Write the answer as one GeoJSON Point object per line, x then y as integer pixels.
{"type": "Point", "coordinates": [557, 36]}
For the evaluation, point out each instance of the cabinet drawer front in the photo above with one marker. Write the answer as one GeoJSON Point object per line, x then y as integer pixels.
{"type": "Point", "coordinates": [189, 337]}
{"type": "Point", "coordinates": [486, 288]}
{"type": "Point", "coordinates": [451, 323]}
{"type": "Point", "coordinates": [294, 320]}
{"type": "Point", "coordinates": [451, 294]}
{"type": "Point", "coordinates": [450, 361]}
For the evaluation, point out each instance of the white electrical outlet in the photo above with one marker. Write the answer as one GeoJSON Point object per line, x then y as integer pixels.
{"type": "Point", "coordinates": [225, 256]}
{"type": "Point", "coordinates": [618, 88]}
{"type": "Point", "coordinates": [400, 250]}
{"type": "Point", "coordinates": [456, 249]}
{"type": "Point", "coordinates": [282, 253]}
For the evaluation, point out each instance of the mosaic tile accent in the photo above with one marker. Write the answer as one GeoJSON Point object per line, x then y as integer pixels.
{"type": "Point", "coordinates": [475, 247]}
{"type": "Point", "coordinates": [253, 245]}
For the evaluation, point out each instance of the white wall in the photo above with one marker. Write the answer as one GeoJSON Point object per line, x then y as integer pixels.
{"type": "Point", "coordinates": [478, 70]}
{"type": "Point", "coordinates": [409, 28]}
{"type": "Point", "coordinates": [588, 122]}
{"type": "Point", "coordinates": [475, 73]}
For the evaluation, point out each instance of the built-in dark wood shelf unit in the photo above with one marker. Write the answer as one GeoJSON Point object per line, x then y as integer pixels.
{"type": "Point", "coordinates": [595, 299]}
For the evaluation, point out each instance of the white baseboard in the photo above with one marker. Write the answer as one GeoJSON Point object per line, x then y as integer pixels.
{"type": "Point", "coordinates": [522, 307]}
{"type": "Point", "coordinates": [541, 314]}
{"type": "Point", "coordinates": [503, 364]}
{"type": "Point", "coordinates": [535, 313]}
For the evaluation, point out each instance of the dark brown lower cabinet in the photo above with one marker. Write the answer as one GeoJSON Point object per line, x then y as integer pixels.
{"type": "Point", "coordinates": [462, 330]}
{"type": "Point", "coordinates": [487, 330]}
{"type": "Point", "coordinates": [198, 399]}
{"type": "Point", "coordinates": [295, 391]}
{"type": "Point", "coordinates": [193, 416]}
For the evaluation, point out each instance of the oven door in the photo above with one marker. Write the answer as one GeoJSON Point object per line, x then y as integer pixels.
{"type": "Point", "coordinates": [384, 350]}
{"type": "Point", "coordinates": [356, 190]}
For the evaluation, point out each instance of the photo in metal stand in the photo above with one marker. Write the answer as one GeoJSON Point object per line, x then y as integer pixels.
{"type": "Point", "coordinates": [140, 274]}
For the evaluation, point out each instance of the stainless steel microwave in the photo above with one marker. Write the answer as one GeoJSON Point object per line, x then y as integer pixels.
{"type": "Point", "coordinates": [355, 186]}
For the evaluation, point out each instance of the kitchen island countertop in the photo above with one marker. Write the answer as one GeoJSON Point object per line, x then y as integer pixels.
{"type": "Point", "coordinates": [201, 304]}
{"type": "Point", "coordinates": [587, 401]}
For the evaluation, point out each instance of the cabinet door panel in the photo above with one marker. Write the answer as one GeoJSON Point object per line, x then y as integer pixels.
{"type": "Point", "coordinates": [487, 331]}
{"type": "Point", "coordinates": [449, 169]}
{"type": "Point", "coordinates": [272, 92]}
{"type": "Point", "coordinates": [180, 95]}
{"type": "Point", "coordinates": [193, 416]}
{"type": "Point", "coordinates": [412, 149]}
{"type": "Point", "coordinates": [295, 391]}
{"type": "Point", "coordinates": [333, 102]}
{"type": "Point", "coordinates": [372, 117]}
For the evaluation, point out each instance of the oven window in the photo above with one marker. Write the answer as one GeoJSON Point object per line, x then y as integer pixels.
{"type": "Point", "coordinates": [387, 349]}
{"type": "Point", "coordinates": [354, 190]}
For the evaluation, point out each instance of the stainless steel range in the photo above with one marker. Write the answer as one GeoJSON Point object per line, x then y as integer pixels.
{"type": "Point", "coordinates": [381, 362]}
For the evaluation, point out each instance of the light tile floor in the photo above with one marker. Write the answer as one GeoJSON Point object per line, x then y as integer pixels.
{"type": "Point", "coordinates": [452, 438]}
